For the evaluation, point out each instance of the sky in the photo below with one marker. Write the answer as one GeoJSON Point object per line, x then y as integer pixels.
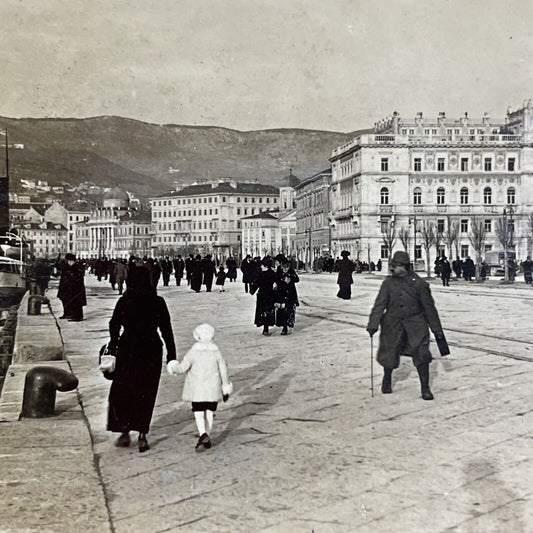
{"type": "Point", "coordinates": [337, 65]}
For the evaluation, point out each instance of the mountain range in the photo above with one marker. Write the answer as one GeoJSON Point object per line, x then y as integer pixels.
{"type": "Point", "coordinates": [148, 159]}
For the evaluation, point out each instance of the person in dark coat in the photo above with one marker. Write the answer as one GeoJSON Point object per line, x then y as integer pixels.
{"type": "Point", "coordinates": [208, 271]}
{"type": "Point", "coordinates": [42, 275]}
{"type": "Point", "coordinates": [445, 271]}
{"type": "Point", "coordinates": [264, 286]}
{"type": "Point", "coordinates": [344, 279]}
{"type": "Point", "coordinates": [71, 289]}
{"type": "Point", "coordinates": [286, 297]}
{"type": "Point", "coordinates": [527, 265]}
{"type": "Point", "coordinates": [156, 272]}
{"type": "Point", "coordinates": [121, 274]}
{"type": "Point", "coordinates": [139, 313]}
{"type": "Point", "coordinates": [188, 268]}
{"type": "Point", "coordinates": [457, 267]}
{"type": "Point", "coordinates": [195, 270]}
{"type": "Point", "coordinates": [469, 269]}
{"type": "Point", "coordinates": [179, 267]}
{"type": "Point", "coordinates": [221, 278]}
{"type": "Point", "coordinates": [231, 265]}
{"type": "Point", "coordinates": [166, 269]}
{"type": "Point", "coordinates": [111, 272]}
{"type": "Point", "coordinates": [404, 308]}
{"type": "Point", "coordinates": [248, 272]}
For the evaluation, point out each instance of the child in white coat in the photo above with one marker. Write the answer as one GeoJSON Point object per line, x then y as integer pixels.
{"type": "Point", "coordinates": [206, 382]}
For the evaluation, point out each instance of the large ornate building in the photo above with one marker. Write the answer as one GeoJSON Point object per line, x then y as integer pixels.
{"type": "Point", "coordinates": [205, 217]}
{"type": "Point", "coordinates": [446, 174]}
{"type": "Point", "coordinates": [313, 231]}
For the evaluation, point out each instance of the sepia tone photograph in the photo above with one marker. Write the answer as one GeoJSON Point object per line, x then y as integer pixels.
{"type": "Point", "coordinates": [266, 266]}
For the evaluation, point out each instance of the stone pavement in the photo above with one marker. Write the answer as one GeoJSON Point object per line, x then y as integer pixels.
{"type": "Point", "coordinates": [302, 446]}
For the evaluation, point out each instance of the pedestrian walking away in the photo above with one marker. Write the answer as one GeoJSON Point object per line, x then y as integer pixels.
{"type": "Point", "coordinates": [121, 274]}
{"type": "Point", "coordinates": [264, 286]}
{"type": "Point", "coordinates": [166, 269]}
{"type": "Point", "coordinates": [221, 278]}
{"type": "Point", "coordinates": [208, 271]}
{"type": "Point", "coordinates": [248, 272]}
{"type": "Point", "coordinates": [344, 279]}
{"type": "Point", "coordinates": [206, 382]}
{"type": "Point", "coordinates": [403, 310]}
{"type": "Point", "coordinates": [139, 313]}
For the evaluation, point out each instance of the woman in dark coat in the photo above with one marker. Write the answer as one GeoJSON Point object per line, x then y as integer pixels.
{"type": "Point", "coordinates": [140, 312]}
{"type": "Point", "coordinates": [231, 265]}
{"type": "Point", "coordinates": [286, 297]}
{"type": "Point", "coordinates": [208, 270]}
{"type": "Point", "coordinates": [196, 273]}
{"type": "Point", "coordinates": [264, 286]}
{"type": "Point", "coordinates": [71, 290]}
{"type": "Point", "coordinates": [344, 279]}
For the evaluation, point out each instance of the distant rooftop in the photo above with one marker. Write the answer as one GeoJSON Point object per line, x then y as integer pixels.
{"type": "Point", "coordinates": [225, 186]}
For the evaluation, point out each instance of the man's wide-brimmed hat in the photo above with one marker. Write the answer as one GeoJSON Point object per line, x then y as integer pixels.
{"type": "Point", "coordinates": [70, 257]}
{"type": "Point", "coordinates": [345, 253]}
{"type": "Point", "coordinates": [400, 258]}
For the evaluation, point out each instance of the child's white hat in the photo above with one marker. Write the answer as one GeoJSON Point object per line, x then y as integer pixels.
{"type": "Point", "coordinates": [203, 332]}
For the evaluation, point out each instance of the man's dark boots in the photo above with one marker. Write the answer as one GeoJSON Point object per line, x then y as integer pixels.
{"type": "Point", "coordinates": [386, 384]}
{"type": "Point", "coordinates": [423, 373]}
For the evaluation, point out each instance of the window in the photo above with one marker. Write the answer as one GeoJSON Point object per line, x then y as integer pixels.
{"type": "Point", "coordinates": [464, 164]}
{"type": "Point", "coordinates": [440, 196]}
{"type": "Point", "coordinates": [488, 164]}
{"type": "Point", "coordinates": [384, 164]}
{"type": "Point", "coordinates": [417, 196]}
{"type": "Point", "coordinates": [464, 225]}
{"type": "Point", "coordinates": [418, 252]}
{"type": "Point", "coordinates": [510, 163]}
{"type": "Point", "coordinates": [440, 164]}
{"type": "Point", "coordinates": [487, 195]}
{"type": "Point", "coordinates": [464, 251]}
{"type": "Point", "coordinates": [440, 226]}
{"type": "Point", "coordinates": [488, 226]}
{"type": "Point", "coordinates": [223, 198]}
{"type": "Point", "coordinates": [417, 164]}
{"type": "Point", "coordinates": [384, 196]}
{"type": "Point", "coordinates": [384, 252]}
{"type": "Point", "coordinates": [511, 195]}
{"type": "Point", "coordinates": [463, 195]}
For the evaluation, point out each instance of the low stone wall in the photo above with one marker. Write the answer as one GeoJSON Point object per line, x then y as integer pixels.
{"type": "Point", "coordinates": [38, 337]}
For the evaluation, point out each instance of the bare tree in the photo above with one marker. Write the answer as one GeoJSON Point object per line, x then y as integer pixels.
{"type": "Point", "coordinates": [505, 233]}
{"type": "Point", "coordinates": [477, 235]}
{"type": "Point", "coordinates": [451, 236]}
{"type": "Point", "coordinates": [405, 238]}
{"type": "Point", "coordinates": [429, 238]}
{"type": "Point", "coordinates": [388, 234]}
{"type": "Point", "coordinates": [529, 234]}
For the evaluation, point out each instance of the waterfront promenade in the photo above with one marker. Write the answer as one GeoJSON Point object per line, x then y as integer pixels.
{"type": "Point", "coordinates": [301, 446]}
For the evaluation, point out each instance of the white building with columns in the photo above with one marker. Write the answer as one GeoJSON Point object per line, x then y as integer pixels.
{"type": "Point", "coordinates": [448, 173]}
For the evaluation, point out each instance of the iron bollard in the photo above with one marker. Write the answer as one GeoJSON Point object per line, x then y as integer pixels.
{"type": "Point", "coordinates": [40, 388]}
{"type": "Point", "coordinates": [34, 305]}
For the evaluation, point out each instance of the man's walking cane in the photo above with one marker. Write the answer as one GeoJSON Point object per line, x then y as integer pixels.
{"type": "Point", "coordinates": [372, 365]}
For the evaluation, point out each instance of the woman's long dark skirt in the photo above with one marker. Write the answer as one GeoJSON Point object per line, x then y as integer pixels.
{"type": "Point", "coordinates": [132, 399]}
{"type": "Point", "coordinates": [345, 291]}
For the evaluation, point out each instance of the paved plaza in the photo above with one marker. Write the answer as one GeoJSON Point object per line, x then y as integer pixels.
{"type": "Point", "coordinates": [301, 445]}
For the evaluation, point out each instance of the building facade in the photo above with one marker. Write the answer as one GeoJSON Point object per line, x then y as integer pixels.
{"type": "Point", "coordinates": [313, 232]}
{"type": "Point", "coordinates": [205, 217]}
{"type": "Point", "coordinates": [390, 189]}
{"type": "Point", "coordinates": [261, 235]}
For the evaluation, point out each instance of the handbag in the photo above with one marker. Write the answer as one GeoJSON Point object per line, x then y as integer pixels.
{"type": "Point", "coordinates": [106, 362]}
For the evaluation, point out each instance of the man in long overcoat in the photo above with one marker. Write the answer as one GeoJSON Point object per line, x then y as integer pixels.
{"type": "Point", "coordinates": [195, 270]}
{"type": "Point", "coordinates": [248, 272]}
{"type": "Point", "coordinates": [344, 279]}
{"type": "Point", "coordinates": [166, 269]}
{"type": "Point", "coordinates": [208, 271]}
{"type": "Point", "coordinates": [404, 308]}
{"type": "Point", "coordinates": [179, 266]}
{"type": "Point", "coordinates": [71, 290]}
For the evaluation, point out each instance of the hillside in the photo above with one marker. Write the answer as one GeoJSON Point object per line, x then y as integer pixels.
{"type": "Point", "coordinates": [148, 158]}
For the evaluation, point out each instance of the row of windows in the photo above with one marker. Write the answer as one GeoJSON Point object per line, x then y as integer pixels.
{"type": "Point", "coordinates": [449, 131]}
{"type": "Point", "coordinates": [384, 196]}
{"type": "Point", "coordinates": [210, 199]}
{"type": "Point", "coordinates": [193, 212]}
{"type": "Point", "coordinates": [441, 164]}
{"type": "Point", "coordinates": [464, 251]}
{"type": "Point", "coordinates": [195, 238]}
